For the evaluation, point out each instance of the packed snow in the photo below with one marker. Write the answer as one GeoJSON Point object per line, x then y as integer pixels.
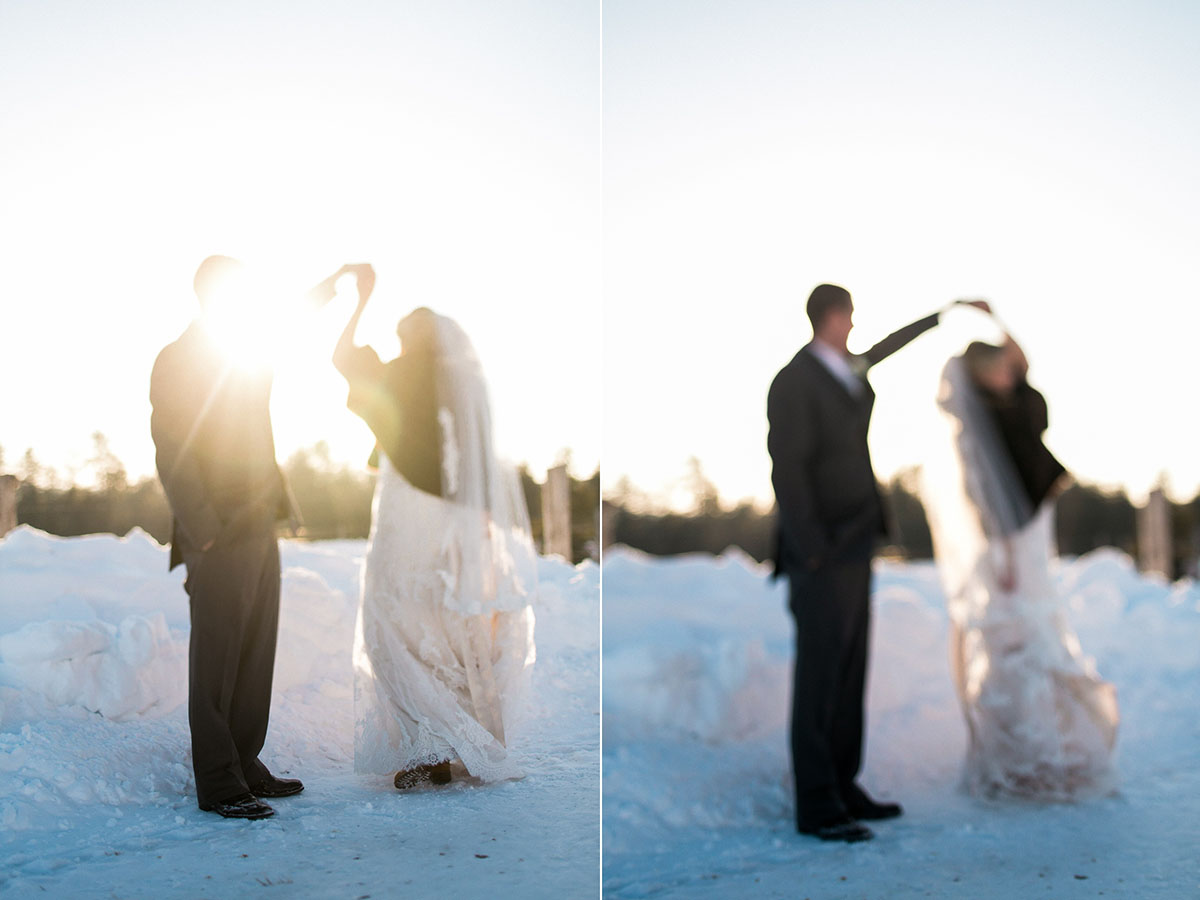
{"type": "Point", "coordinates": [697, 794]}
{"type": "Point", "coordinates": [96, 788]}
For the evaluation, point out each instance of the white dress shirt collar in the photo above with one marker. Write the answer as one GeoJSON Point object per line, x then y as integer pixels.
{"type": "Point", "coordinates": [838, 365]}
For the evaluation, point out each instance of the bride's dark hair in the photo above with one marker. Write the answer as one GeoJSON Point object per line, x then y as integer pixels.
{"type": "Point", "coordinates": [979, 355]}
{"type": "Point", "coordinates": [212, 272]}
{"type": "Point", "coordinates": [418, 331]}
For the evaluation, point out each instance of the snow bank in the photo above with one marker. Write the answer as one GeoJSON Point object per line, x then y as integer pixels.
{"type": "Point", "coordinates": [693, 652]}
{"type": "Point", "coordinates": [120, 671]}
{"type": "Point", "coordinates": [101, 642]}
{"type": "Point", "coordinates": [96, 788]}
{"type": "Point", "coordinates": [697, 796]}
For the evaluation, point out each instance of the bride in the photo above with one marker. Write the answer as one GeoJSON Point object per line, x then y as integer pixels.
{"type": "Point", "coordinates": [1041, 723]}
{"type": "Point", "coordinates": [444, 637]}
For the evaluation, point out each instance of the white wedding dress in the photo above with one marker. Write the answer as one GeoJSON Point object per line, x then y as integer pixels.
{"type": "Point", "coordinates": [444, 637]}
{"type": "Point", "coordinates": [1041, 723]}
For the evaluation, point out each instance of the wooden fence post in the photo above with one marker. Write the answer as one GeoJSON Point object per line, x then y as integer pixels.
{"type": "Point", "coordinates": [8, 503]}
{"type": "Point", "coordinates": [556, 513]}
{"type": "Point", "coordinates": [609, 514]}
{"type": "Point", "coordinates": [1155, 553]}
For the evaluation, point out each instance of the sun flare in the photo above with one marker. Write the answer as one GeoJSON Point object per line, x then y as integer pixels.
{"type": "Point", "coordinates": [245, 319]}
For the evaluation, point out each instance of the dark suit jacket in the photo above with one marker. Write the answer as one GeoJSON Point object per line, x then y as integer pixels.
{"type": "Point", "coordinates": [829, 507]}
{"type": "Point", "coordinates": [215, 451]}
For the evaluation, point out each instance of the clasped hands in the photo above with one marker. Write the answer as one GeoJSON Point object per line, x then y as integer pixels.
{"type": "Point", "coordinates": [364, 275]}
{"type": "Point", "coordinates": [979, 304]}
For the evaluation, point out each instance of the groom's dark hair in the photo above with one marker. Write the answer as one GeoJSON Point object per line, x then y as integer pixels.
{"type": "Point", "coordinates": [211, 272]}
{"type": "Point", "coordinates": [825, 297]}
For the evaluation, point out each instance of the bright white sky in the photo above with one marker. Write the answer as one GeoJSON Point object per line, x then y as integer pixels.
{"type": "Point", "coordinates": [1041, 154]}
{"type": "Point", "coordinates": [455, 145]}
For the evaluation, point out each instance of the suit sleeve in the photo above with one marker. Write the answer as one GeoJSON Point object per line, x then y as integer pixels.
{"type": "Point", "coordinates": [791, 441]}
{"type": "Point", "coordinates": [172, 419]}
{"type": "Point", "coordinates": [898, 339]}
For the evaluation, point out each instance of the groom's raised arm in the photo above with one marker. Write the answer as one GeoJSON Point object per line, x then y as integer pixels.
{"type": "Point", "coordinates": [792, 443]}
{"type": "Point", "coordinates": [898, 339]}
{"type": "Point", "coordinates": [908, 333]}
{"type": "Point", "coordinates": [322, 293]}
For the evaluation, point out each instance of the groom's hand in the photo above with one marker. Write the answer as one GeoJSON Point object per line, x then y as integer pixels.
{"type": "Point", "coordinates": [325, 291]}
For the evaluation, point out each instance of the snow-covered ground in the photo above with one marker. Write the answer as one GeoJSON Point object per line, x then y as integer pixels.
{"type": "Point", "coordinates": [697, 801]}
{"type": "Point", "coordinates": [96, 795]}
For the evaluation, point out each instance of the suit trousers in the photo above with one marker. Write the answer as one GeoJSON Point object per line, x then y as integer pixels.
{"type": "Point", "coordinates": [234, 592]}
{"type": "Point", "coordinates": [831, 607]}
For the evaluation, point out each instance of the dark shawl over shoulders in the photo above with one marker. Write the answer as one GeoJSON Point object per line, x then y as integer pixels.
{"type": "Point", "coordinates": [398, 400]}
{"type": "Point", "coordinates": [1021, 420]}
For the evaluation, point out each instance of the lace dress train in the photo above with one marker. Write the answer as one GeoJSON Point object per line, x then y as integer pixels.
{"type": "Point", "coordinates": [1041, 722]}
{"type": "Point", "coordinates": [441, 654]}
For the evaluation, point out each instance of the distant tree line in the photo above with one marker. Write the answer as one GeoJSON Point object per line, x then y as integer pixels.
{"type": "Point", "coordinates": [334, 499]}
{"type": "Point", "coordinates": [1087, 517]}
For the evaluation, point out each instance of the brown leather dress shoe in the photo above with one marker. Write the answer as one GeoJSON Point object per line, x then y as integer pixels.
{"type": "Point", "coordinates": [437, 773]}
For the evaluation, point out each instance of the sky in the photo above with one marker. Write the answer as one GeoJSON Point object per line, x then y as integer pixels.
{"type": "Point", "coordinates": [1041, 155]}
{"type": "Point", "coordinates": [624, 204]}
{"type": "Point", "coordinates": [453, 145]}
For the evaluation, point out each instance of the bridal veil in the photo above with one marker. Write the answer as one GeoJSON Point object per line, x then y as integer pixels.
{"type": "Point", "coordinates": [1041, 723]}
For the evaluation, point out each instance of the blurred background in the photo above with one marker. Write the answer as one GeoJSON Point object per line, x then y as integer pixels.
{"type": "Point", "coordinates": [456, 146]}
{"type": "Point", "coordinates": [1040, 155]}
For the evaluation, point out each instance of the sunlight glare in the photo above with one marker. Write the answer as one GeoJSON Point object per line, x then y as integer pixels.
{"type": "Point", "coordinates": [243, 318]}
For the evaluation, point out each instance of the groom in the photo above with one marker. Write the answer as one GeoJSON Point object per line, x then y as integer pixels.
{"type": "Point", "coordinates": [830, 513]}
{"type": "Point", "coordinates": [215, 455]}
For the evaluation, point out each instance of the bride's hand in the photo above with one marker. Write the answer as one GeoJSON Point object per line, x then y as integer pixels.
{"type": "Point", "coordinates": [364, 276]}
{"type": "Point", "coordinates": [980, 304]}
{"type": "Point", "coordinates": [1007, 579]}
{"type": "Point", "coordinates": [1006, 575]}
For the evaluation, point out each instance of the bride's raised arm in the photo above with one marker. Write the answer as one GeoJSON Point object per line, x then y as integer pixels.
{"type": "Point", "coordinates": [345, 353]}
